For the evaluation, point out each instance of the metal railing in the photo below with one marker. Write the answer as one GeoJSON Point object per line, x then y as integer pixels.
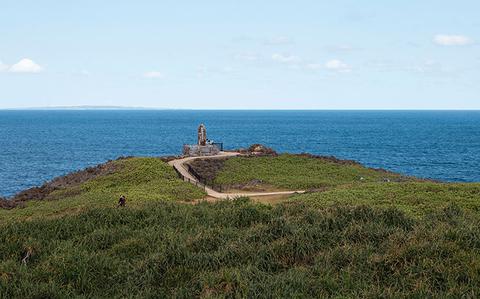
{"type": "Point", "coordinates": [209, 184]}
{"type": "Point", "coordinates": [202, 183]}
{"type": "Point", "coordinates": [195, 182]}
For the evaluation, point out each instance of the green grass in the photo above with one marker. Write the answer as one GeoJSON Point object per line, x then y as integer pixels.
{"type": "Point", "coordinates": [241, 249]}
{"type": "Point", "coordinates": [293, 172]}
{"type": "Point", "coordinates": [141, 180]}
{"type": "Point", "coordinates": [414, 198]}
{"type": "Point", "coordinates": [361, 238]}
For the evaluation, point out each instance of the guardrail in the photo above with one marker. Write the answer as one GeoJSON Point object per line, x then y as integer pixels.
{"type": "Point", "coordinates": [199, 182]}
{"type": "Point", "coordinates": [218, 188]}
{"type": "Point", "coordinates": [185, 179]}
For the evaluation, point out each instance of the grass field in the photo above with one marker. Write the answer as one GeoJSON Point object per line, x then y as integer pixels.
{"type": "Point", "coordinates": [139, 179]}
{"type": "Point", "coordinates": [239, 249]}
{"type": "Point", "coordinates": [293, 172]}
{"type": "Point", "coordinates": [380, 236]}
{"type": "Point", "coordinates": [414, 198]}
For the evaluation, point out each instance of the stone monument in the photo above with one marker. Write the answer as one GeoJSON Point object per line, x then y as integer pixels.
{"type": "Point", "coordinates": [204, 147]}
{"type": "Point", "coordinates": [202, 135]}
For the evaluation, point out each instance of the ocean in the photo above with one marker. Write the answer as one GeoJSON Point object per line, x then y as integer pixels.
{"type": "Point", "coordinates": [38, 145]}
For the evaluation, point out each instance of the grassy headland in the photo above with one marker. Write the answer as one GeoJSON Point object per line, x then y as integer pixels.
{"type": "Point", "coordinates": [363, 233]}
{"type": "Point", "coordinates": [141, 180]}
{"type": "Point", "coordinates": [299, 172]}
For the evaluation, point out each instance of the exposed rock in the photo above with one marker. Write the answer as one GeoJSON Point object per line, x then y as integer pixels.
{"type": "Point", "coordinates": [258, 150]}
{"type": "Point", "coordinates": [9, 204]}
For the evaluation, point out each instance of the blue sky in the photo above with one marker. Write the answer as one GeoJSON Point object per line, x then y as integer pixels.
{"type": "Point", "coordinates": [373, 54]}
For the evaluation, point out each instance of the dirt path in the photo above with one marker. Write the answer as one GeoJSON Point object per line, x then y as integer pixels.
{"type": "Point", "coordinates": [179, 165]}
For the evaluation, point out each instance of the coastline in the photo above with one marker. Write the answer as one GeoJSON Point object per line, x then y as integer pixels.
{"type": "Point", "coordinates": [78, 177]}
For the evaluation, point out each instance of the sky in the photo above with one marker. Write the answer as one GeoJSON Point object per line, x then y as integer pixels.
{"type": "Point", "coordinates": [343, 54]}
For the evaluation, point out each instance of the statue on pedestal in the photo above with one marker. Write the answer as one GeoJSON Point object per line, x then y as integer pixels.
{"type": "Point", "coordinates": [202, 135]}
{"type": "Point", "coordinates": [204, 147]}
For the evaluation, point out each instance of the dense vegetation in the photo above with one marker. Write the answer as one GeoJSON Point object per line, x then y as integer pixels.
{"type": "Point", "coordinates": [414, 198]}
{"type": "Point", "coordinates": [295, 172]}
{"type": "Point", "coordinates": [139, 179]}
{"type": "Point", "coordinates": [368, 233]}
{"type": "Point", "coordinates": [241, 249]}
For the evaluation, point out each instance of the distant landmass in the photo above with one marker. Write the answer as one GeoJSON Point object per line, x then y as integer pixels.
{"type": "Point", "coordinates": [90, 107]}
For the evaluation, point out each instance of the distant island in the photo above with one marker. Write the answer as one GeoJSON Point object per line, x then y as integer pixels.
{"type": "Point", "coordinates": [89, 107]}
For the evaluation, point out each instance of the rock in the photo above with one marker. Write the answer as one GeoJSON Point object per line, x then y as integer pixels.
{"type": "Point", "coordinates": [261, 150]}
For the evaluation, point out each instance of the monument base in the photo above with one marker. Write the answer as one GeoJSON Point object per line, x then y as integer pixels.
{"type": "Point", "coordinates": [200, 150]}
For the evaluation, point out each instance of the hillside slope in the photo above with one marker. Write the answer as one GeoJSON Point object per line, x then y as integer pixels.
{"type": "Point", "coordinates": [141, 180]}
{"type": "Point", "coordinates": [240, 249]}
{"type": "Point", "coordinates": [367, 233]}
{"type": "Point", "coordinates": [297, 172]}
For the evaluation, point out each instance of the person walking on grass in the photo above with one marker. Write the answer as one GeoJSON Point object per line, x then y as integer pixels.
{"type": "Point", "coordinates": [122, 201]}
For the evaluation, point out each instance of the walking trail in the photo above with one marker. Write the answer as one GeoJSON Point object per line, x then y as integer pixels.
{"type": "Point", "coordinates": [179, 165]}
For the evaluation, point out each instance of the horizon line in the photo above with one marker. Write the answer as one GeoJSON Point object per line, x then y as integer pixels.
{"type": "Point", "coordinates": [89, 107]}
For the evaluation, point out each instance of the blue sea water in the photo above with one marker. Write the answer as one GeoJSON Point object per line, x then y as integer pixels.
{"type": "Point", "coordinates": [36, 146]}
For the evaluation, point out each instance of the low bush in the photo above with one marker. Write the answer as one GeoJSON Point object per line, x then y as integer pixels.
{"type": "Point", "coordinates": [241, 249]}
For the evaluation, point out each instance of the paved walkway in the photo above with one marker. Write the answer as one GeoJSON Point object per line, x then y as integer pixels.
{"type": "Point", "coordinates": [179, 165]}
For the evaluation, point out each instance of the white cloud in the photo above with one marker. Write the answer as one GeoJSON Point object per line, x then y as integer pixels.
{"type": "Point", "coordinates": [452, 40]}
{"type": "Point", "coordinates": [25, 66]}
{"type": "Point", "coordinates": [154, 75]}
{"type": "Point", "coordinates": [286, 58]}
{"type": "Point", "coordinates": [338, 66]}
